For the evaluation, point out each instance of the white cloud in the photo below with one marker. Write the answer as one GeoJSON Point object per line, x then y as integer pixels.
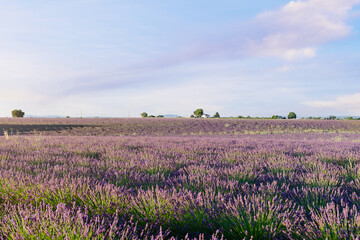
{"type": "Point", "coordinates": [297, 53]}
{"type": "Point", "coordinates": [347, 104]}
{"type": "Point", "coordinates": [294, 32]}
{"type": "Point", "coordinates": [300, 27]}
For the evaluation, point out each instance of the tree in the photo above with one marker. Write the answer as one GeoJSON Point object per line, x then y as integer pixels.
{"type": "Point", "coordinates": [160, 116]}
{"type": "Point", "coordinates": [17, 113]}
{"type": "Point", "coordinates": [292, 115]}
{"type": "Point", "coordinates": [332, 117]}
{"type": "Point", "coordinates": [144, 114]}
{"type": "Point", "coordinates": [216, 115]}
{"type": "Point", "coordinates": [198, 112]}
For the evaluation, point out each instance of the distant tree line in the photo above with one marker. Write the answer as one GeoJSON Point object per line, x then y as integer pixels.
{"type": "Point", "coordinates": [291, 115]}
{"type": "Point", "coordinates": [145, 115]}
{"type": "Point", "coordinates": [331, 117]}
{"type": "Point", "coordinates": [199, 113]}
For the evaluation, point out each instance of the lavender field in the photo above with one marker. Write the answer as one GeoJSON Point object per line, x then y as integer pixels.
{"type": "Point", "coordinates": [179, 179]}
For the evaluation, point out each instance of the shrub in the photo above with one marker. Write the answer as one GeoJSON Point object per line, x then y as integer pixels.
{"type": "Point", "coordinates": [144, 115]}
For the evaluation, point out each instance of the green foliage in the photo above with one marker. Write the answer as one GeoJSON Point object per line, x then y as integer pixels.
{"type": "Point", "coordinates": [160, 116]}
{"type": "Point", "coordinates": [192, 116]}
{"type": "Point", "coordinates": [17, 113]}
{"type": "Point", "coordinates": [144, 115]}
{"type": "Point", "coordinates": [199, 112]}
{"type": "Point", "coordinates": [250, 218]}
{"type": "Point", "coordinates": [335, 222]}
{"type": "Point", "coordinates": [216, 115]}
{"type": "Point", "coordinates": [292, 115]}
{"type": "Point", "coordinates": [277, 117]}
{"type": "Point", "coordinates": [332, 117]}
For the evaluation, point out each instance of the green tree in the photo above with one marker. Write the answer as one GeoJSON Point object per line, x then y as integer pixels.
{"type": "Point", "coordinates": [332, 117]}
{"type": "Point", "coordinates": [216, 115]}
{"type": "Point", "coordinates": [144, 114]}
{"type": "Point", "coordinates": [160, 116]}
{"type": "Point", "coordinates": [17, 113]}
{"type": "Point", "coordinates": [292, 115]}
{"type": "Point", "coordinates": [198, 112]}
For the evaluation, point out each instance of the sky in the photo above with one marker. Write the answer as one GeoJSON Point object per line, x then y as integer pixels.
{"type": "Point", "coordinates": [121, 58]}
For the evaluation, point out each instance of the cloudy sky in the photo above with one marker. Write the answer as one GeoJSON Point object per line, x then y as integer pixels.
{"type": "Point", "coordinates": [120, 58]}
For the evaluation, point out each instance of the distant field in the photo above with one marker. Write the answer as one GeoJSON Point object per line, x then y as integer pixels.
{"type": "Point", "coordinates": [179, 179]}
{"type": "Point", "coordinates": [171, 127]}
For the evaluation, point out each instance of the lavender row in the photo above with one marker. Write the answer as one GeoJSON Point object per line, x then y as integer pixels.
{"type": "Point", "coordinates": [186, 187]}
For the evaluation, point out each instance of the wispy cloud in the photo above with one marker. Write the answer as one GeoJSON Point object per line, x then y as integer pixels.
{"type": "Point", "coordinates": [347, 104]}
{"type": "Point", "coordinates": [293, 32]}
{"type": "Point", "coordinates": [300, 27]}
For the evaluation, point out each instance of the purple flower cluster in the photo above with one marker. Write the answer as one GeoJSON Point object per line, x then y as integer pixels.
{"type": "Point", "coordinates": [263, 186]}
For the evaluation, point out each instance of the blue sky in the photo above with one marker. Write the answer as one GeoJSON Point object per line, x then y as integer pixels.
{"type": "Point", "coordinates": [121, 58]}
